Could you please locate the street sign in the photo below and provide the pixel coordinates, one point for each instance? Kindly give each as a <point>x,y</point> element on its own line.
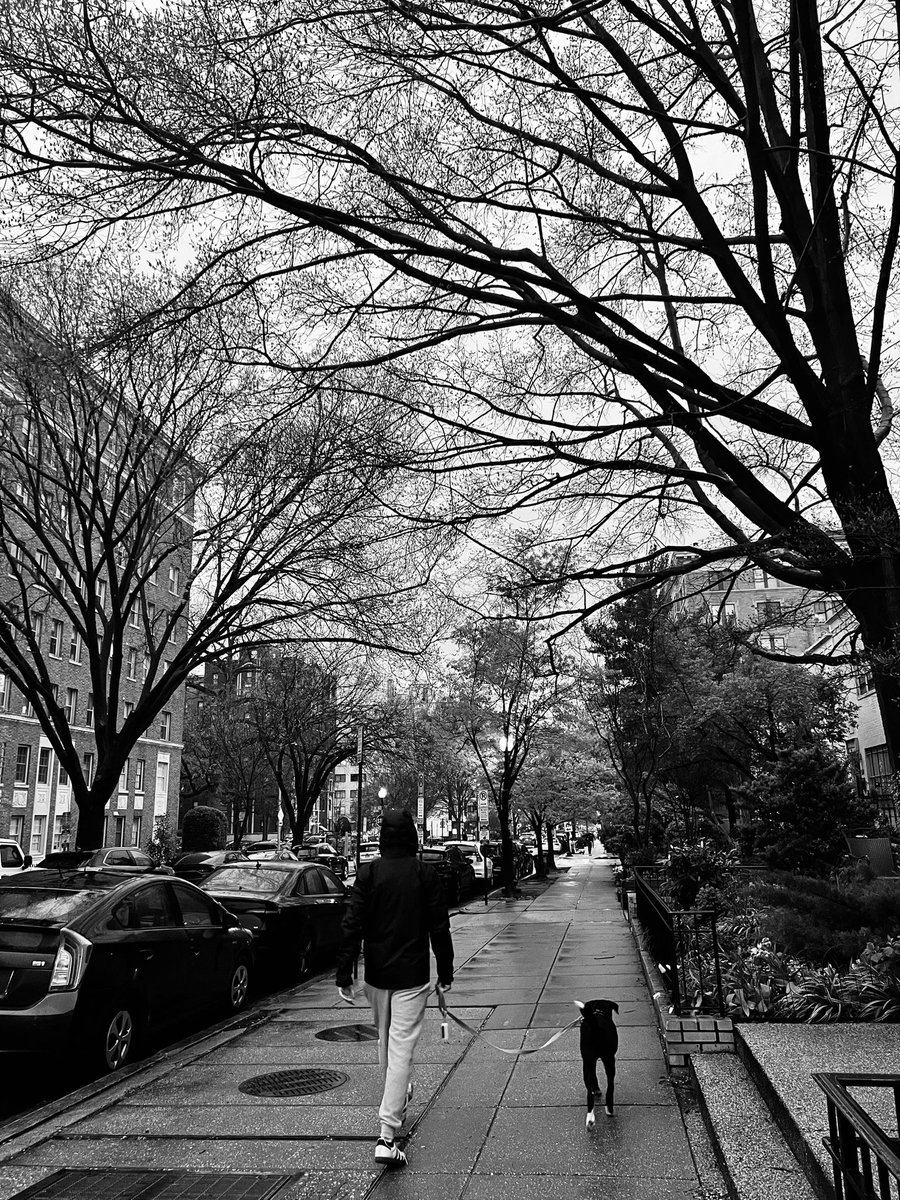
<point>420,809</point>
<point>483,807</point>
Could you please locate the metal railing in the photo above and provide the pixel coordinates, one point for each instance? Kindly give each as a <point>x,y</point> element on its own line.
<point>864,1158</point>
<point>680,940</point>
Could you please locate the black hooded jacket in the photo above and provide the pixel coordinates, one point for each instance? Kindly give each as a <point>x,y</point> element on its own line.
<point>395,909</point>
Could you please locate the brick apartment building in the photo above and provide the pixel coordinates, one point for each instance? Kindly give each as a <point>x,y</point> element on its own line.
<point>36,800</point>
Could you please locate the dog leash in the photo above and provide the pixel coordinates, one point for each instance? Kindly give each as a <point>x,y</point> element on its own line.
<point>445,1012</point>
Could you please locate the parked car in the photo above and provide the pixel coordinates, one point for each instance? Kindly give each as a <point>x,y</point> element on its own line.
<point>368,851</point>
<point>293,909</point>
<point>494,851</point>
<point>12,859</point>
<point>472,851</point>
<point>119,860</point>
<point>454,869</point>
<point>268,850</point>
<point>323,852</point>
<point>92,961</point>
<point>197,865</point>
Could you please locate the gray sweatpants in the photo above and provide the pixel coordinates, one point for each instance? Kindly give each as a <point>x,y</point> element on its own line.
<point>398,1015</point>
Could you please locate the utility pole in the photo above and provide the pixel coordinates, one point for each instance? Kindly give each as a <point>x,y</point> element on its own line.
<point>359,790</point>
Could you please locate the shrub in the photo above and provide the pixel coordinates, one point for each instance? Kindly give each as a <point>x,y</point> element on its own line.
<point>698,868</point>
<point>203,828</point>
<point>162,846</point>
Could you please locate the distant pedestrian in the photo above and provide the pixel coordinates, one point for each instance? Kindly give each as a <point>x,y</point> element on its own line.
<point>396,906</point>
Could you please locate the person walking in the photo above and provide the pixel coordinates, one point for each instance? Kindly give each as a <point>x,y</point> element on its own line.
<point>396,907</point>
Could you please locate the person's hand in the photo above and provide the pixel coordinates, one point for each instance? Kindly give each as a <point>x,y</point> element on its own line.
<point>444,987</point>
<point>346,993</point>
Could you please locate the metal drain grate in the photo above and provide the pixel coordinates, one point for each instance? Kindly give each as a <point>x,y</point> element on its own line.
<point>302,1082</point>
<point>153,1185</point>
<point>349,1033</point>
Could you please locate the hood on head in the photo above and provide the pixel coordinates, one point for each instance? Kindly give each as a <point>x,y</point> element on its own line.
<point>398,831</point>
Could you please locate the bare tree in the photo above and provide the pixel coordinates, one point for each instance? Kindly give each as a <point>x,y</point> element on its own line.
<point>305,711</point>
<point>224,762</point>
<point>157,505</point>
<point>673,228</point>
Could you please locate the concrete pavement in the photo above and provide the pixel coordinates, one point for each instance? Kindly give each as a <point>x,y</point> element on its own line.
<point>483,1124</point>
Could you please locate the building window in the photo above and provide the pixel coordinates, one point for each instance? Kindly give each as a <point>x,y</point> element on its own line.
<point>173,580</point>
<point>165,726</point>
<point>4,692</point>
<point>119,830</point>
<point>17,829</point>
<point>70,708</point>
<point>136,823</point>
<point>75,646</point>
<point>878,767</point>
<point>62,777</point>
<point>865,681</point>
<point>23,763</point>
<point>43,767</point>
<point>38,836</point>
<point>127,709</point>
<point>57,833</point>
<point>820,610</point>
<point>162,777</point>
<point>139,768</point>
<point>145,668</point>
<point>56,639</point>
<point>123,778</point>
<point>134,618</point>
<point>131,663</point>
<point>37,627</point>
<point>769,610</point>
<point>772,642</point>
<point>89,714</point>
<point>87,767</point>
<point>42,558</point>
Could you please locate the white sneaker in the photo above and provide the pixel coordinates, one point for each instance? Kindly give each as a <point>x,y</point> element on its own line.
<point>388,1154</point>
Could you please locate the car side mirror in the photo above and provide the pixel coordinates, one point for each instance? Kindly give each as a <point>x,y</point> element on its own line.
<point>28,861</point>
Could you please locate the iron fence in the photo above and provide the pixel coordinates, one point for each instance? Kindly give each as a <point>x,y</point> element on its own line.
<point>865,1160</point>
<point>684,944</point>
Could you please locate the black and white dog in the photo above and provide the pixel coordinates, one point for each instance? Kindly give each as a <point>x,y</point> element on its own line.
<point>599,1040</point>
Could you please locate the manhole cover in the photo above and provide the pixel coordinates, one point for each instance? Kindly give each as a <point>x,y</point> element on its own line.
<point>302,1082</point>
<point>153,1185</point>
<point>349,1033</point>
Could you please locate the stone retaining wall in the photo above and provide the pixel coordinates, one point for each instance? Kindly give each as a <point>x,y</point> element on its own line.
<point>685,1035</point>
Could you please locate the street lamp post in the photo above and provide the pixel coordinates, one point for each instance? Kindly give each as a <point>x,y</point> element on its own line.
<point>359,791</point>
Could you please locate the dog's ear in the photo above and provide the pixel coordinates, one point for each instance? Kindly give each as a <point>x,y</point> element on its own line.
<point>578,1004</point>
<point>612,1004</point>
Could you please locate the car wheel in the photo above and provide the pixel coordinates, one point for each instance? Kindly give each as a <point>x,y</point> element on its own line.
<point>238,987</point>
<point>306,956</point>
<point>115,1037</point>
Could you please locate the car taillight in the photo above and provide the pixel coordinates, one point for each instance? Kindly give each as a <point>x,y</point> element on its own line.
<point>71,959</point>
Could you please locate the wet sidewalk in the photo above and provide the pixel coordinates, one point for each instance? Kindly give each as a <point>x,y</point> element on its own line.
<point>483,1125</point>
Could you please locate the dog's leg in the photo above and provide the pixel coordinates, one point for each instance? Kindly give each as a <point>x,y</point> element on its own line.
<point>592,1086</point>
<point>609,1066</point>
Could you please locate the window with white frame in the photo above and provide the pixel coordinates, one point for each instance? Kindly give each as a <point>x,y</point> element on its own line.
<point>140,767</point>
<point>127,709</point>
<point>4,692</point>
<point>131,661</point>
<point>75,647</point>
<point>165,726</point>
<point>38,836</point>
<point>45,757</point>
<point>173,580</point>
<point>56,639</point>
<point>89,713</point>
<point>70,708</point>
<point>23,764</point>
<point>87,767</point>
<point>17,829</point>
<point>136,823</point>
<point>123,777</point>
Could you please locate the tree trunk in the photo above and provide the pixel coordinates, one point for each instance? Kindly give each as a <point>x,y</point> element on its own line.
<point>91,824</point>
<point>551,861</point>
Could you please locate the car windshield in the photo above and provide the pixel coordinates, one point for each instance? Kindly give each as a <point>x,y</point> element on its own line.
<point>237,879</point>
<point>468,851</point>
<point>44,904</point>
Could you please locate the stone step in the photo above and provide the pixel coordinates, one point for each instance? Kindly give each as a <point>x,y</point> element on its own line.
<point>754,1157</point>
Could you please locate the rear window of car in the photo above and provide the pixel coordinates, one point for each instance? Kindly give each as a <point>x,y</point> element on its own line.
<point>468,851</point>
<point>45,905</point>
<point>235,879</point>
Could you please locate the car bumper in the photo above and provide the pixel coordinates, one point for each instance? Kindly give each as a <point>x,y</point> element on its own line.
<point>45,1026</point>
